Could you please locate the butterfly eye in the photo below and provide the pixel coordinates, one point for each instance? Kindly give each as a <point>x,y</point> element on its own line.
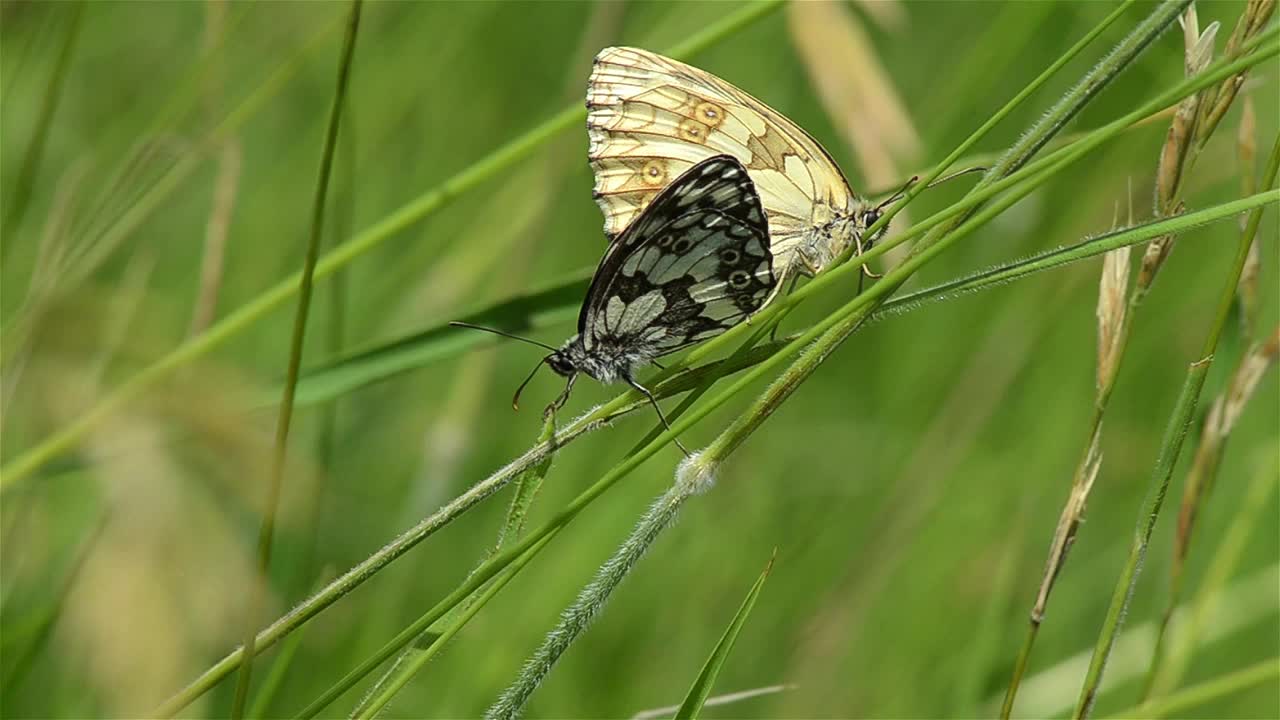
<point>729,256</point>
<point>739,279</point>
<point>681,246</point>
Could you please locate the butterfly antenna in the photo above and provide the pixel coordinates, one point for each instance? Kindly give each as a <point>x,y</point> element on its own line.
<point>504,334</point>
<point>515,399</point>
<point>654,402</point>
<point>956,174</point>
<point>902,191</point>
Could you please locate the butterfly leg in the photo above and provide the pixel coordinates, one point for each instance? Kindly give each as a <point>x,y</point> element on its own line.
<point>810,266</point>
<point>563,398</point>
<point>653,401</point>
<point>773,332</point>
<point>868,272</point>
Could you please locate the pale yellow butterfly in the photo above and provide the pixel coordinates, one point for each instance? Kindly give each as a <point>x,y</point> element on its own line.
<point>650,118</point>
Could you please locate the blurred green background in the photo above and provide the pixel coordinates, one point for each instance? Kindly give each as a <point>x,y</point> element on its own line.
<point>910,488</point>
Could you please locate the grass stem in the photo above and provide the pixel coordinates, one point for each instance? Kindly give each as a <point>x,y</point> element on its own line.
<point>693,478</point>
<point>1170,448</point>
<point>30,168</point>
<point>1264,47</point>
<point>1229,684</point>
<point>257,585</point>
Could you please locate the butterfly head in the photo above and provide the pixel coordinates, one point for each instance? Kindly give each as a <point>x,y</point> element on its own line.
<point>562,362</point>
<point>866,218</point>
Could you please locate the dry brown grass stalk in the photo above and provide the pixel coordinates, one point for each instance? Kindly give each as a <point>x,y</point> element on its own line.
<point>215,235</point>
<point>1177,154</point>
<point>855,89</point>
<point>225,184</point>
<point>1218,100</point>
<point>1068,523</point>
<point>1112,312</point>
<point>1248,289</point>
<point>1187,134</point>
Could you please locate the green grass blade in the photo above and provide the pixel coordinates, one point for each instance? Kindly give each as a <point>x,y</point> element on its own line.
<point>409,214</point>
<point>397,547</point>
<point>266,534</point>
<point>552,304</point>
<point>26,180</point>
<point>1170,448</point>
<point>275,675</point>
<point>407,540</point>
<point>559,302</point>
<point>459,597</point>
<point>415,657</point>
<point>1207,691</point>
<point>520,557</point>
<point>34,636</point>
<point>706,679</point>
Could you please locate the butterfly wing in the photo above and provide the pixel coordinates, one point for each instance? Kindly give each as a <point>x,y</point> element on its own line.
<point>650,118</point>
<point>693,264</point>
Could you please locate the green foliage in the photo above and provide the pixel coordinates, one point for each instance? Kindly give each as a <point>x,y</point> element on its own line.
<point>706,680</point>
<point>895,480</point>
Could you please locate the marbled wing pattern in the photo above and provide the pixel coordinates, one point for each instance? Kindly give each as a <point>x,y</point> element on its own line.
<point>695,263</point>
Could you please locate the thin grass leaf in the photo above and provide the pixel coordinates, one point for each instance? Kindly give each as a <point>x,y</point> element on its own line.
<point>524,556</point>
<point>280,666</point>
<point>553,304</point>
<point>415,657</point>
<point>550,529</point>
<point>1245,604</point>
<point>559,302</point>
<point>694,476</point>
<point>1167,669</point>
<point>1116,316</point>
<point>716,701</point>
<point>498,563</point>
<point>326,441</point>
<point>1170,449</point>
<point>483,489</point>
<point>1207,691</point>
<point>392,224</point>
<point>266,534</point>
<point>35,635</point>
<point>30,168</point>
<point>701,688</point>
<point>1202,477</point>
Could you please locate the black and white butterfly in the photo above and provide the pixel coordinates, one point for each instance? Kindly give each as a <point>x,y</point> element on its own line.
<point>695,263</point>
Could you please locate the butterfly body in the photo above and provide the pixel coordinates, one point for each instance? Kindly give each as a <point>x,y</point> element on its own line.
<point>695,263</point>
<point>607,363</point>
<point>650,118</point>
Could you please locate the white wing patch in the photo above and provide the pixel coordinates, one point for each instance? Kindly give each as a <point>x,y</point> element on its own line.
<point>638,315</point>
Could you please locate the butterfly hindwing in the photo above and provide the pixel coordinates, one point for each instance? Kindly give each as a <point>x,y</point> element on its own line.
<point>695,263</point>
<point>650,118</point>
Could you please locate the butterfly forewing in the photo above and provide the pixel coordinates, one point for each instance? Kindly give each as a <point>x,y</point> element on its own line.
<point>650,118</point>
<point>695,263</point>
